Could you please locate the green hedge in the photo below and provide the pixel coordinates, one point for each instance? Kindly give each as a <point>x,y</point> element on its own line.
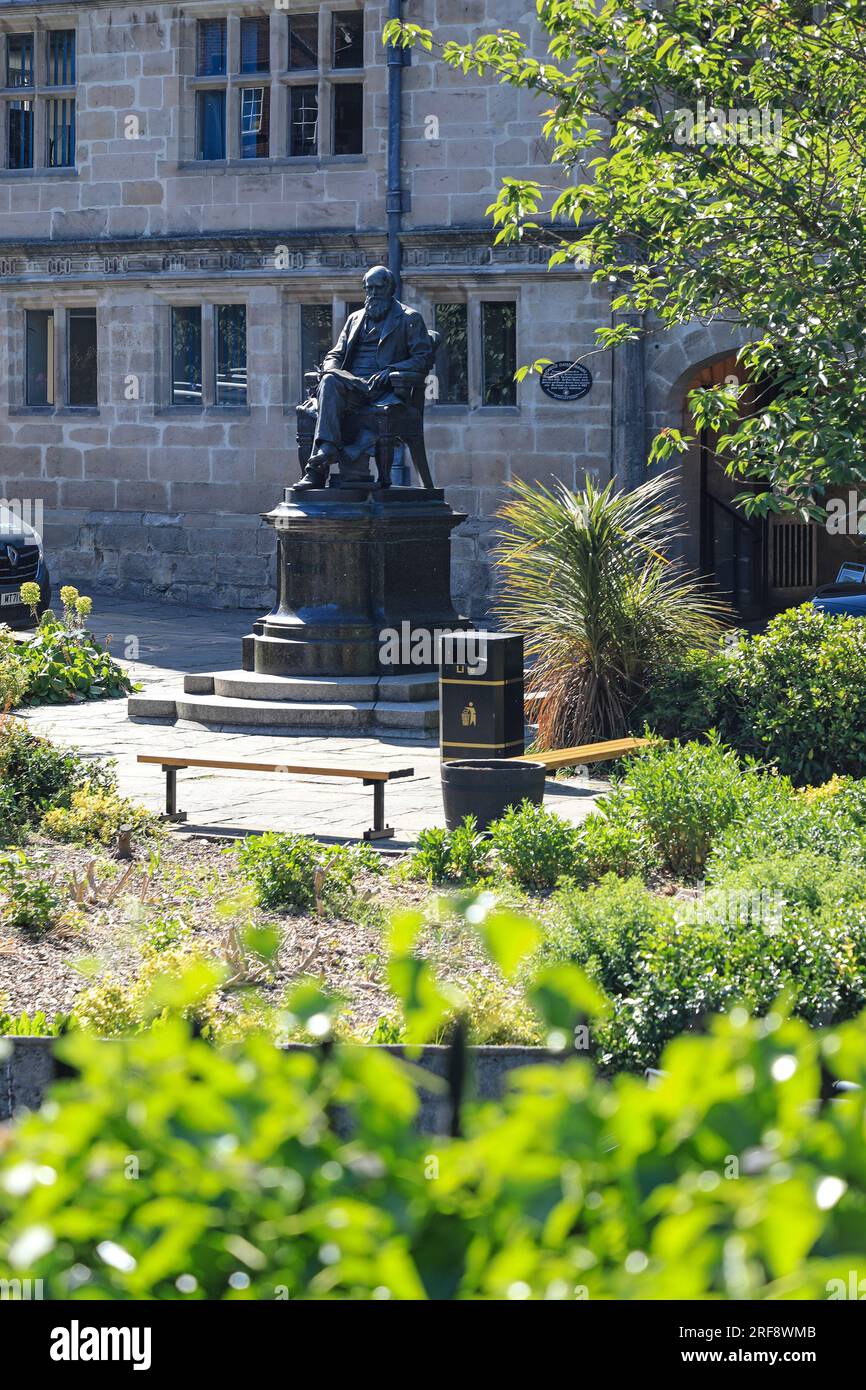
<point>794,695</point>
<point>668,964</point>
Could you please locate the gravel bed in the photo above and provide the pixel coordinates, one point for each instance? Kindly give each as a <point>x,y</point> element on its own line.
<point>186,878</point>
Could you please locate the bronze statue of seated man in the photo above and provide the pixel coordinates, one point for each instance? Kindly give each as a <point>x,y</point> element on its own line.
<point>384,338</point>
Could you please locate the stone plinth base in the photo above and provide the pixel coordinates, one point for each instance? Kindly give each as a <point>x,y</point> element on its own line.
<point>352,565</point>
<point>396,706</point>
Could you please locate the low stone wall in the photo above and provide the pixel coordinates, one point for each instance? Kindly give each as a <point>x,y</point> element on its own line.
<point>28,1067</point>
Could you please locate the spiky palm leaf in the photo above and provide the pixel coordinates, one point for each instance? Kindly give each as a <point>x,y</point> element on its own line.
<point>585,578</point>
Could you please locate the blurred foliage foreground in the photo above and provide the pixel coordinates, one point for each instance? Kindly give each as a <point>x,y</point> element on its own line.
<point>169,1168</point>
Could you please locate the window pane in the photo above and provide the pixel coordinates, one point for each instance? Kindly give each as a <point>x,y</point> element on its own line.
<point>39,365</point>
<point>499,353</point>
<point>186,357</point>
<point>255,122</point>
<point>61,58</point>
<point>211,47</point>
<point>231,354</point>
<point>304,122</point>
<point>19,60</point>
<point>82,357</point>
<point>61,133</point>
<point>348,113</point>
<point>20,134</point>
<point>349,39</point>
<point>255,45</point>
<point>452,359</point>
<point>304,41</point>
<point>211,125</point>
<point>315,335</point>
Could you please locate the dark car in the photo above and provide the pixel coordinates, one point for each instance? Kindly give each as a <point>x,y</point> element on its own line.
<point>22,561</point>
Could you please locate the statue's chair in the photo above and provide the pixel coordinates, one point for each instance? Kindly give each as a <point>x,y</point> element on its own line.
<point>397,422</point>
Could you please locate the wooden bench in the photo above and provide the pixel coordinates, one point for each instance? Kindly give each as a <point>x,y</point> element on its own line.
<point>586,753</point>
<point>375,778</point>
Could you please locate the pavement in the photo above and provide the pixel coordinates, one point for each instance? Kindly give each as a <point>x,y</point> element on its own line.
<point>160,643</point>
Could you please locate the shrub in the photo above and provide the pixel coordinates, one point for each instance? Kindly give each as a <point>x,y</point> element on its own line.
<point>799,691</point>
<point>602,928</point>
<point>64,661</point>
<point>36,1025</point>
<point>29,901</point>
<point>703,967</point>
<point>38,775</point>
<point>500,1016</point>
<point>685,795</point>
<point>106,1009</point>
<point>668,964</point>
<point>603,846</point>
<point>95,816</point>
<point>793,695</point>
<point>301,1173</point>
<point>496,1014</point>
<point>535,846</point>
<point>177,981</point>
<point>469,851</point>
<point>13,673</point>
<point>293,871</point>
<point>431,857</point>
<point>685,699</point>
<point>441,854</point>
<point>165,931</point>
<point>828,820</point>
<point>10,825</point>
<point>281,868</point>
<point>803,878</point>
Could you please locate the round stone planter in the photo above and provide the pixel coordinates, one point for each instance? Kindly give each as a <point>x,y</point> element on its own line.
<point>485,787</point>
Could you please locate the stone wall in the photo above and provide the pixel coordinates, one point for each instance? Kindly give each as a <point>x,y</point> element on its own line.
<point>149,498</point>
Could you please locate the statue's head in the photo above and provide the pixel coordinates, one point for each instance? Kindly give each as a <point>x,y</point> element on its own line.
<point>378,291</point>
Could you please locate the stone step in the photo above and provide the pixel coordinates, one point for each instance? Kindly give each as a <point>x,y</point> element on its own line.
<point>418,717</point>
<point>249,685</point>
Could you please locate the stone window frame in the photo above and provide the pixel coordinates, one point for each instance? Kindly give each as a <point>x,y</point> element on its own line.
<point>163,365</point>
<point>18,356</point>
<point>280,79</point>
<point>326,78</point>
<point>423,298</point>
<point>473,296</point>
<point>339,299</point>
<point>41,93</point>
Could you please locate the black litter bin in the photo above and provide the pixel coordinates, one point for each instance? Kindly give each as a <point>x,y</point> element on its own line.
<point>481,701</point>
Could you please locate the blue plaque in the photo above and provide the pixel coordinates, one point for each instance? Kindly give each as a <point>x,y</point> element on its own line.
<point>566,381</point>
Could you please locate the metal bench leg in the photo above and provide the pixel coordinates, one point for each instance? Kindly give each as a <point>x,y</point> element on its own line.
<point>379,831</point>
<point>171,811</point>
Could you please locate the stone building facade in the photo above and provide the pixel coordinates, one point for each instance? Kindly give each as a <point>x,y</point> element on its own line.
<point>190,194</point>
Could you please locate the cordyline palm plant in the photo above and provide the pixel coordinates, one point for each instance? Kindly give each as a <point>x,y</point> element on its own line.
<point>585,578</point>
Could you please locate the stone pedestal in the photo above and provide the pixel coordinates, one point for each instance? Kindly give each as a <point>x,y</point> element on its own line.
<point>353,563</point>
<point>352,566</point>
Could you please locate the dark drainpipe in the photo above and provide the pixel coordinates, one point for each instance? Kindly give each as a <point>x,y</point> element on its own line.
<point>394,194</point>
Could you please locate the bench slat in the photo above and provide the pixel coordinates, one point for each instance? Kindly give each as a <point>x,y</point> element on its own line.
<point>586,753</point>
<point>365,774</point>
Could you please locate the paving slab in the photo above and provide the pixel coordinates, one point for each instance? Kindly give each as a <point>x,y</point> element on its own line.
<point>159,644</point>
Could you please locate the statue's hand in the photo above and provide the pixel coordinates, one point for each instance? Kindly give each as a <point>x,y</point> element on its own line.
<point>378,380</point>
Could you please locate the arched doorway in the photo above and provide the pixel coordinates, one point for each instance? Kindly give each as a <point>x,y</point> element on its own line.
<point>733,547</point>
<point>759,564</point>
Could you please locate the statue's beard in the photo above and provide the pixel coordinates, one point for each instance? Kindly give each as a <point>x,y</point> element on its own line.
<point>376,310</point>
